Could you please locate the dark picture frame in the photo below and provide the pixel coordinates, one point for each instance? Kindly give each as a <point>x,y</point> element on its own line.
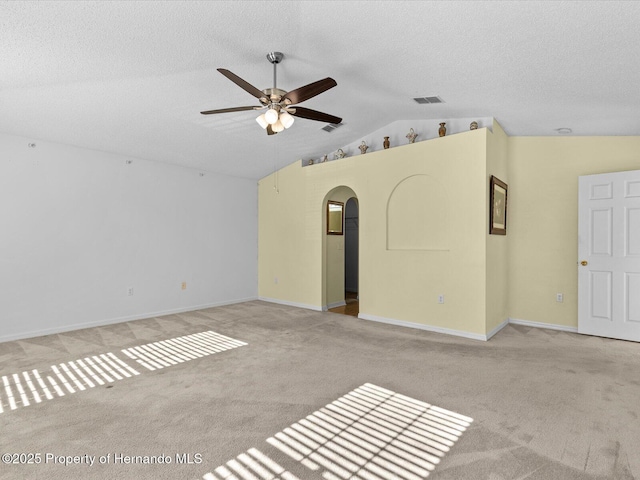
<point>335,218</point>
<point>498,191</point>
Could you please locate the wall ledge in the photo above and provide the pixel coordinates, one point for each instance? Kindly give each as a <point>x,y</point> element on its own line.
<point>110,321</point>
<point>550,326</point>
<point>427,129</point>
<point>292,304</point>
<point>420,326</point>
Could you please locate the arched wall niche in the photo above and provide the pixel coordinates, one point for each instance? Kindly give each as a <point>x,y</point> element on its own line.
<point>419,215</point>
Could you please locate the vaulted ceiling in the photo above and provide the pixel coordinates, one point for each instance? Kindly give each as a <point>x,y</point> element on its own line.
<point>131,77</point>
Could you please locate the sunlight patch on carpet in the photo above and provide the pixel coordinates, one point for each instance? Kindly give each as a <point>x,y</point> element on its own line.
<point>370,433</point>
<point>30,387</point>
<point>166,353</point>
<point>247,466</point>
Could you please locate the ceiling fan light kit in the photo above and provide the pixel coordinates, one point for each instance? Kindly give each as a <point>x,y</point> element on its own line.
<point>280,112</point>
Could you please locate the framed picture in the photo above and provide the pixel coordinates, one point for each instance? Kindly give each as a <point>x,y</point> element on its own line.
<point>497,207</point>
<point>335,218</point>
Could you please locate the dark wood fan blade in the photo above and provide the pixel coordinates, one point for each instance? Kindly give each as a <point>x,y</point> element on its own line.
<point>305,93</point>
<point>227,110</point>
<point>242,83</point>
<point>270,130</point>
<point>315,115</point>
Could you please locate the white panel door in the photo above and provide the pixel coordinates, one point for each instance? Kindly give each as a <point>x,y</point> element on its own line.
<point>609,255</point>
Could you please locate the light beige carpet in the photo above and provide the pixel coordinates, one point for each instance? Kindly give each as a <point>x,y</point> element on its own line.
<point>528,404</point>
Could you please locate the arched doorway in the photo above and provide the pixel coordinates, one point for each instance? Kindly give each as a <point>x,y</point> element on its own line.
<point>341,255</point>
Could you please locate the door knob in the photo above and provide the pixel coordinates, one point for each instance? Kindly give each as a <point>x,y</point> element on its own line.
<point>584,263</point>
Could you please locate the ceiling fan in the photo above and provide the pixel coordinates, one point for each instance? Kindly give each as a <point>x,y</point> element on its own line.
<point>280,105</point>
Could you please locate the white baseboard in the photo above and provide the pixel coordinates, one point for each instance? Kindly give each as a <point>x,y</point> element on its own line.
<point>110,321</point>
<point>364,316</point>
<point>291,304</point>
<point>497,329</point>
<point>550,326</point>
<point>460,333</point>
<point>420,326</point>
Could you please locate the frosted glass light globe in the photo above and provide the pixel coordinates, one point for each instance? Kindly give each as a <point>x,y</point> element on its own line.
<point>271,116</point>
<point>277,127</point>
<point>262,121</point>
<point>286,119</point>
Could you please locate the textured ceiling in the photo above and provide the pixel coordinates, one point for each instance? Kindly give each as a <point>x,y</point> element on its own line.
<point>131,77</point>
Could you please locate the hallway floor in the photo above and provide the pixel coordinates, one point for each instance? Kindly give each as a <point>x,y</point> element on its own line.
<point>352,306</point>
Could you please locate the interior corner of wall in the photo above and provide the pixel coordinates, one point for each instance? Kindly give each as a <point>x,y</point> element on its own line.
<point>497,128</point>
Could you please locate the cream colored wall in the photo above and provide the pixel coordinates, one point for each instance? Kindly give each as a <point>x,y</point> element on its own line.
<point>289,243</point>
<point>485,278</point>
<point>543,218</point>
<point>394,284</point>
<point>497,272</point>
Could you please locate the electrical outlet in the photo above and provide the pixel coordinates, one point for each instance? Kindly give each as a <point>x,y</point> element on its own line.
<point>559,297</point>
<point>184,285</point>
<point>130,291</point>
<point>440,298</point>
<point>275,280</point>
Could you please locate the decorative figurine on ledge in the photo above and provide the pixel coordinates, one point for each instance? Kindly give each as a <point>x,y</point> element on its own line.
<point>325,158</point>
<point>473,125</point>
<point>442,131</point>
<point>412,136</point>
<point>363,147</point>
<point>339,154</point>
<point>311,161</point>
<point>386,143</point>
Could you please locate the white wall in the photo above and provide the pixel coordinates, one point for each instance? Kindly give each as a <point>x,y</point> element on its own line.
<point>79,227</point>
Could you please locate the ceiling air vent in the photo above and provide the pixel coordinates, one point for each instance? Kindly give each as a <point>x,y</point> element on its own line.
<point>425,100</point>
<point>331,127</point>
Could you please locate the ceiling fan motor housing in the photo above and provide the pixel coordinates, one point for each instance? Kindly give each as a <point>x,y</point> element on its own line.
<point>274,95</point>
